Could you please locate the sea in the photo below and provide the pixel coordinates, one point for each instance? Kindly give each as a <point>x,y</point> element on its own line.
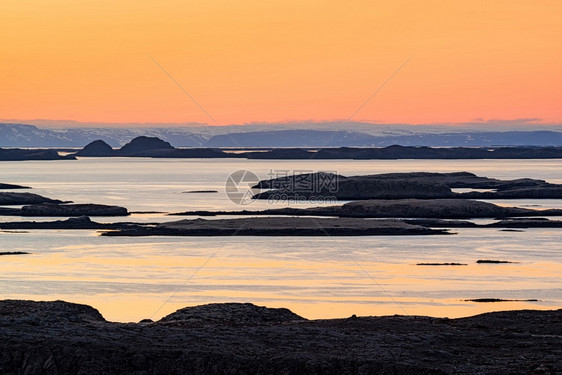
<point>133,278</point>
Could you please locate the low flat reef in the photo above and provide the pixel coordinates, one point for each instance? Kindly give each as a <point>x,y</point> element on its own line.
<point>19,154</point>
<point>12,186</point>
<point>200,191</point>
<point>17,199</point>
<point>80,222</point>
<point>65,210</point>
<point>420,185</point>
<point>242,338</point>
<point>409,152</point>
<point>278,226</point>
<point>399,208</point>
<point>38,205</point>
<point>493,300</point>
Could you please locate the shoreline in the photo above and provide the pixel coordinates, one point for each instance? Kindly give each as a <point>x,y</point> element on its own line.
<point>242,338</point>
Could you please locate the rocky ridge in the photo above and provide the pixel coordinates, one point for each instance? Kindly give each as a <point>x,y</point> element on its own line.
<point>59,337</point>
<point>277,226</point>
<point>397,208</point>
<point>419,185</point>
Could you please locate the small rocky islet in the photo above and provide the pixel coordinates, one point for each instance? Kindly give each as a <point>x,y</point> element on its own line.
<point>413,203</point>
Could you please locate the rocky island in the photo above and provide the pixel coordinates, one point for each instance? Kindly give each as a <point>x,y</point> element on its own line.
<point>420,185</point>
<point>151,147</point>
<point>16,199</point>
<point>241,338</point>
<point>18,154</point>
<point>11,186</point>
<point>397,208</point>
<point>278,226</point>
<point>154,147</point>
<point>37,205</point>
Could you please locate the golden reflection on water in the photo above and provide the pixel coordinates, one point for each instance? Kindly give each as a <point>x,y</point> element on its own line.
<point>130,279</point>
<point>131,308</point>
<point>314,290</point>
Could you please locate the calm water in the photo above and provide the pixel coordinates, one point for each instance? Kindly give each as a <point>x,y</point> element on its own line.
<point>129,279</point>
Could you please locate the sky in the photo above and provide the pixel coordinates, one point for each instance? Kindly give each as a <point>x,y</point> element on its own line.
<point>259,61</point>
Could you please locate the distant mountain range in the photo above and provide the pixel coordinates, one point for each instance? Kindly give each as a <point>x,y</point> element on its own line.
<point>21,135</point>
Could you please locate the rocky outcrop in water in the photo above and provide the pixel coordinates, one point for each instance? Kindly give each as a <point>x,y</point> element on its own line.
<point>88,209</point>
<point>421,185</point>
<point>18,154</point>
<point>145,146</point>
<point>409,152</point>
<point>397,208</point>
<point>60,337</point>
<point>97,148</point>
<point>17,199</point>
<point>278,226</point>
<point>149,147</point>
<point>435,208</point>
<point>79,222</point>
<point>11,186</point>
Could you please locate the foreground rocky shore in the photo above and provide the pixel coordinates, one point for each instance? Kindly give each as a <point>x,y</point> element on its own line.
<point>63,338</point>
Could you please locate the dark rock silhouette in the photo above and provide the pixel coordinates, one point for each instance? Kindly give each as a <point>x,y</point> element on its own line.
<point>78,222</point>
<point>62,338</point>
<point>409,152</point>
<point>16,199</point>
<point>421,185</point>
<point>207,153</point>
<point>73,210</point>
<point>145,146</point>
<point>12,186</point>
<point>97,148</point>
<point>278,226</point>
<point>230,313</point>
<point>435,209</point>
<point>16,154</point>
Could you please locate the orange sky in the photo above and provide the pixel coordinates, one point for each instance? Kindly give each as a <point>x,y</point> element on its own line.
<point>273,61</point>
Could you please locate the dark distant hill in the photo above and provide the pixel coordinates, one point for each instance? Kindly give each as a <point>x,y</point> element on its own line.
<point>97,148</point>
<point>293,138</point>
<point>25,154</point>
<point>318,138</point>
<point>476,139</point>
<point>140,145</point>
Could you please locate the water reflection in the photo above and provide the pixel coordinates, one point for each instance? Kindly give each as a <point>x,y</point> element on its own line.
<point>129,279</point>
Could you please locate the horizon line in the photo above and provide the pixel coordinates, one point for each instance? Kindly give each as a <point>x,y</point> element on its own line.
<point>475,122</point>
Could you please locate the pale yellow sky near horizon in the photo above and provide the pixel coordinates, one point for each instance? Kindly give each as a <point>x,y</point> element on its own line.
<point>264,61</point>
